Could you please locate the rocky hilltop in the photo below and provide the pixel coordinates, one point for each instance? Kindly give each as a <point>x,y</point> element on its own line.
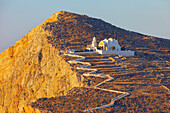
<point>34,68</point>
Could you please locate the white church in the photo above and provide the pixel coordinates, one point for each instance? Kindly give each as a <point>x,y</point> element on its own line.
<point>109,46</point>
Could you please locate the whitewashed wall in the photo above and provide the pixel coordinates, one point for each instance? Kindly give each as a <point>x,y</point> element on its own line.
<point>124,53</point>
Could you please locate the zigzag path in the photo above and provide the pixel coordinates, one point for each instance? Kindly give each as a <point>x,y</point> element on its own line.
<point>93,72</point>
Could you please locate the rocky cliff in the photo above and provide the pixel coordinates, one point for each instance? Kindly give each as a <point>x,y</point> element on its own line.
<point>29,109</point>
<point>33,69</point>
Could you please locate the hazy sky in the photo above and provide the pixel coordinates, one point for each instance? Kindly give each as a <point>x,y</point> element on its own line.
<point>18,17</point>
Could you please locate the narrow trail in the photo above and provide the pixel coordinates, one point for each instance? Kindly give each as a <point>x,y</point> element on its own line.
<point>93,72</point>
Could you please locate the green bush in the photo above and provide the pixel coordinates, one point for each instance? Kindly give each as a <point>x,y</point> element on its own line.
<point>97,105</point>
<point>130,111</point>
<point>156,111</point>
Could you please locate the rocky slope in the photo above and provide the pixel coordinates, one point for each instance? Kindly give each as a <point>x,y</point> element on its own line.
<point>33,69</point>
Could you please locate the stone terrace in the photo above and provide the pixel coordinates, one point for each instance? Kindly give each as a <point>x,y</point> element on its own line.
<point>144,76</point>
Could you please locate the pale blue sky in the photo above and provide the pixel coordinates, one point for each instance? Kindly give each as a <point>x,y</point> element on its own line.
<point>18,17</point>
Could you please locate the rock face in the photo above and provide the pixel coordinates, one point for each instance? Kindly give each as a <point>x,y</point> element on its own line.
<point>33,69</point>
<point>29,109</point>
